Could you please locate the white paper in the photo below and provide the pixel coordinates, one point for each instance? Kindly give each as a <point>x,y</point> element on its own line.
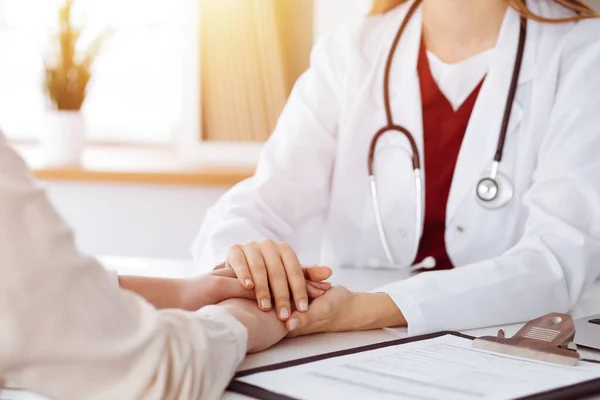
<point>442,368</point>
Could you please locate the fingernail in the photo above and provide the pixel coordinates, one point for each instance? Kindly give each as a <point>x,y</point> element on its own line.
<point>292,324</point>
<point>249,284</point>
<point>265,303</point>
<point>284,313</point>
<point>303,305</point>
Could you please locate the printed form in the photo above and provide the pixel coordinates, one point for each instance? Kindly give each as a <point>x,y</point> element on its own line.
<point>446,367</point>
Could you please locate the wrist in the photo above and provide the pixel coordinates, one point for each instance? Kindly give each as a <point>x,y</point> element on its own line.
<point>373,311</point>
<point>242,316</point>
<point>187,294</point>
<point>245,318</point>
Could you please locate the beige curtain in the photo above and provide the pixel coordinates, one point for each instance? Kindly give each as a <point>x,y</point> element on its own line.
<point>252,51</point>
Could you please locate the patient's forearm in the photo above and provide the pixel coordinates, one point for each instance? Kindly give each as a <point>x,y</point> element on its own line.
<point>162,293</point>
<point>374,311</point>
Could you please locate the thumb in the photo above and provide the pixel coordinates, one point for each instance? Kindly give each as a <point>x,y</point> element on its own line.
<point>220,266</point>
<point>298,321</point>
<point>323,286</point>
<point>317,273</point>
<point>225,272</point>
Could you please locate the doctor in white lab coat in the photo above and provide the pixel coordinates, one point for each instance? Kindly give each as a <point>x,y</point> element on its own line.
<point>535,255</point>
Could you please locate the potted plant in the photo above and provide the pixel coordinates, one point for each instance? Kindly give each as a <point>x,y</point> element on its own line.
<point>68,69</point>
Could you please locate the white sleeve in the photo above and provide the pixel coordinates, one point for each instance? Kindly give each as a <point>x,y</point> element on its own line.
<point>559,254</point>
<point>291,184</point>
<point>68,332</point>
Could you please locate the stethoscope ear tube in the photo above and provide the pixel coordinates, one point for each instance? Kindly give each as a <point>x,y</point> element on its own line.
<point>379,220</point>
<point>416,164</point>
<point>495,190</point>
<point>416,159</point>
<point>418,216</point>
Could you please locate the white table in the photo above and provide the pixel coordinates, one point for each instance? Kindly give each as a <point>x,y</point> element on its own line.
<point>354,279</point>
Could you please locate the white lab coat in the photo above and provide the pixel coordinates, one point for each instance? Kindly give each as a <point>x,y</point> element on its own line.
<point>531,257</point>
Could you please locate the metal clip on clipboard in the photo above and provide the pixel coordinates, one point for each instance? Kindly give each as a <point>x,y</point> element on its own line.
<point>548,339</point>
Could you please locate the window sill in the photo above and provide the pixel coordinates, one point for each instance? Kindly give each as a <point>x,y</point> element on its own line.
<point>137,165</point>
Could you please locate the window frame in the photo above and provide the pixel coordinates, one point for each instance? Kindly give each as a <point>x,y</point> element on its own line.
<point>189,139</point>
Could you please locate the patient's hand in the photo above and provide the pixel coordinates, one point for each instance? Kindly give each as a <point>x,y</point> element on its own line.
<point>341,310</point>
<point>330,313</point>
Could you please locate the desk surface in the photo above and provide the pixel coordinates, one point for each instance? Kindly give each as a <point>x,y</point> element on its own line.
<point>354,279</point>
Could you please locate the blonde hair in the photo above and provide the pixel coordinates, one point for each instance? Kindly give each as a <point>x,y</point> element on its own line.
<point>580,7</point>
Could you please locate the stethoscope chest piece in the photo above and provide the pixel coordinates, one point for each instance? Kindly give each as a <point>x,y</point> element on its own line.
<point>494,192</point>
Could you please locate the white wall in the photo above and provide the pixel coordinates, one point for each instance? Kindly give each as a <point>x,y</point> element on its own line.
<point>132,220</point>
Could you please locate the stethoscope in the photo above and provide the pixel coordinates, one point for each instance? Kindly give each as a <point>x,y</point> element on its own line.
<point>493,191</point>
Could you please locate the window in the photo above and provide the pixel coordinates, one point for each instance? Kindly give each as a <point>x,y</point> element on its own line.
<point>139,81</point>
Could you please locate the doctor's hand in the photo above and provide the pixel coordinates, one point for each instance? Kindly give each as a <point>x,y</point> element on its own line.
<point>272,269</point>
<point>264,329</point>
<point>340,310</point>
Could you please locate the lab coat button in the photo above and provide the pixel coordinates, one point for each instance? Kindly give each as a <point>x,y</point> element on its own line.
<point>403,233</point>
<point>460,229</point>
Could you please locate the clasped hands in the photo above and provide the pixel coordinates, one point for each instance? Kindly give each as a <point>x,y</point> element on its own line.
<point>265,288</point>
<point>288,293</point>
<point>292,300</point>
<point>273,272</point>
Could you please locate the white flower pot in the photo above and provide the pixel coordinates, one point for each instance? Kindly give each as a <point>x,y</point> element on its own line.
<point>63,139</point>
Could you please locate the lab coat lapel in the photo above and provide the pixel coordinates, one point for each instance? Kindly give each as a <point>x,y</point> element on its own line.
<point>481,138</point>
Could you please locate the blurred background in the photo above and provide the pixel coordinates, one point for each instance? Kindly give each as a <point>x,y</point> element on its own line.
<point>138,114</point>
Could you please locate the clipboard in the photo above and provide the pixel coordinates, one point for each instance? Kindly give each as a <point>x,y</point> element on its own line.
<point>580,390</point>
